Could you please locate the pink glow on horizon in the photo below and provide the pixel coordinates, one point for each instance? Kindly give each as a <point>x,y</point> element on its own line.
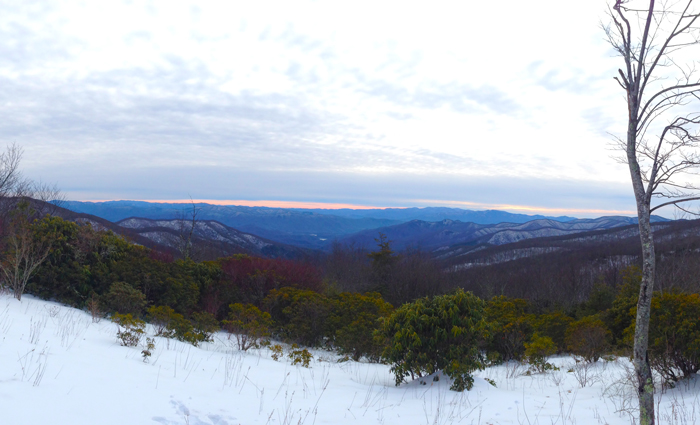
<point>526,209</point>
<point>270,204</point>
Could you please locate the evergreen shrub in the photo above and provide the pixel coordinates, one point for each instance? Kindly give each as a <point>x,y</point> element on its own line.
<point>512,327</point>
<point>124,298</point>
<point>249,325</point>
<point>553,325</point>
<point>160,317</point>
<point>432,334</point>
<point>130,330</point>
<point>538,351</point>
<point>674,335</point>
<point>588,338</point>
<point>352,321</point>
<point>204,325</point>
<point>299,315</point>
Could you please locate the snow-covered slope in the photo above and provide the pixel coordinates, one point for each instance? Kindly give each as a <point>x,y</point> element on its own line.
<point>208,233</point>
<point>443,234</point>
<point>58,367</point>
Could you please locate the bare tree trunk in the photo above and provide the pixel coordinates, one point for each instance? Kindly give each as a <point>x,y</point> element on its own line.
<point>25,253</point>
<point>659,87</point>
<point>645,382</point>
<point>186,231</point>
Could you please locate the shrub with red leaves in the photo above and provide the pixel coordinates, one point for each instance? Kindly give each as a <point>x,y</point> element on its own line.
<point>253,278</point>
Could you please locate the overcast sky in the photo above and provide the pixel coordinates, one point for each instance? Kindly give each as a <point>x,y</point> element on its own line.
<point>490,104</point>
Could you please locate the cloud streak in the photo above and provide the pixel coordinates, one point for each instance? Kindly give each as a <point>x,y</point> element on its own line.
<point>229,101</point>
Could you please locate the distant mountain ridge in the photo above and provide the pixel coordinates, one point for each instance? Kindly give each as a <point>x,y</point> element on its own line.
<point>209,236</point>
<point>210,239</point>
<point>300,228</point>
<point>437,214</point>
<point>446,233</point>
<point>309,228</point>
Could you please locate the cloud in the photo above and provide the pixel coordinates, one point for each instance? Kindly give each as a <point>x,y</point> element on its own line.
<point>573,80</point>
<point>229,101</point>
<point>378,189</point>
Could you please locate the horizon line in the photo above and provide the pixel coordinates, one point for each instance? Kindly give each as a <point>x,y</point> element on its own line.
<point>335,206</point>
<point>263,203</point>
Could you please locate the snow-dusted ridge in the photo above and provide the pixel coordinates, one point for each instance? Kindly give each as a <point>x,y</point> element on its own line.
<point>229,240</point>
<point>58,367</point>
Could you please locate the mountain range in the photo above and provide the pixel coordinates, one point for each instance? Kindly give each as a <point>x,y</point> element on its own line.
<point>443,234</point>
<point>308,228</point>
<point>295,233</point>
<point>210,239</point>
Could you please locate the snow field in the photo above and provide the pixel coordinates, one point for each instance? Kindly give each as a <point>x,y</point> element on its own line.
<point>58,367</point>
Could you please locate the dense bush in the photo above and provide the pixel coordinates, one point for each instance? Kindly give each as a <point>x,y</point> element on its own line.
<point>538,351</point>
<point>204,325</point>
<point>299,315</point>
<point>620,317</point>
<point>124,298</point>
<point>511,327</point>
<point>674,335</point>
<point>248,325</point>
<point>352,321</point>
<point>130,330</point>
<point>84,263</point>
<point>553,325</point>
<point>588,338</point>
<point>432,334</point>
<point>161,317</point>
<point>599,300</point>
<point>250,279</point>
<point>182,330</point>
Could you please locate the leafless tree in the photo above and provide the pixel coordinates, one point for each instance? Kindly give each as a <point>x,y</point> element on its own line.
<point>25,251</point>
<point>10,176</point>
<point>51,197</point>
<point>658,45</point>
<point>186,226</point>
<point>14,187</point>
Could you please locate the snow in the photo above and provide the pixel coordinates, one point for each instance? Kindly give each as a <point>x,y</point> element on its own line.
<point>58,367</point>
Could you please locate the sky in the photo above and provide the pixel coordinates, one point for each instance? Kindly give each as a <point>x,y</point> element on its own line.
<point>508,105</point>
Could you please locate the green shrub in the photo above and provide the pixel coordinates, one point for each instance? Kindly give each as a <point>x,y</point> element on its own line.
<point>130,330</point>
<point>146,352</point>
<point>182,330</point>
<point>538,351</point>
<point>124,298</point>
<point>674,335</point>
<point>249,325</point>
<point>553,325</point>
<point>352,322</point>
<point>160,317</point>
<point>169,324</point>
<point>599,300</point>
<point>277,351</point>
<point>299,315</point>
<point>204,324</point>
<point>588,338</point>
<point>300,356</point>
<point>511,326</point>
<point>621,315</point>
<point>433,334</point>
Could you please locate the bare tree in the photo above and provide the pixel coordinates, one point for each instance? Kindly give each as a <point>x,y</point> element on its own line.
<point>186,226</point>
<point>10,176</point>
<point>51,197</point>
<point>25,251</point>
<point>661,84</point>
<point>14,187</point>
<point>12,184</point>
